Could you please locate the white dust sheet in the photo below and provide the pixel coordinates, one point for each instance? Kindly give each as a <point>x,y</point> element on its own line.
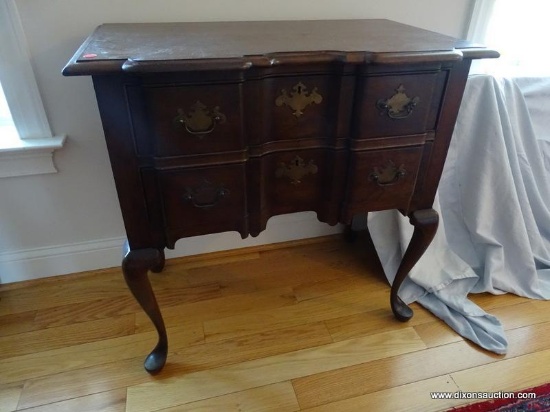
<point>494,205</point>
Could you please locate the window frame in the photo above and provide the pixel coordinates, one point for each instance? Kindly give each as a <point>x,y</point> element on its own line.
<point>479,22</point>
<point>32,153</point>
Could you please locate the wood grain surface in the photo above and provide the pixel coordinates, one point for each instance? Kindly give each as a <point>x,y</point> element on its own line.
<point>305,326</point>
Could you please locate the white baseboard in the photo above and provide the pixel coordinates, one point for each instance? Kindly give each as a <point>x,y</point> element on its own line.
<point>49,261</point>
<point>59,260</point>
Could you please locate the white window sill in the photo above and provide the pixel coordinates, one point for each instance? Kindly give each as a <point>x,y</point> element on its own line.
<point>33,153</point>
<point>24,157</point>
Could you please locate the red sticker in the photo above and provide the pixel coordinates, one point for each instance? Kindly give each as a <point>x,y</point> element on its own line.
<point>90,56</point>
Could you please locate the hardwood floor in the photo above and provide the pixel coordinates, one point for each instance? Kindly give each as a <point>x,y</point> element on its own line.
<point>301,326</point>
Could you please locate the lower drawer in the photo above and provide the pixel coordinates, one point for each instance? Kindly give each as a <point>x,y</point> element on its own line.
<point>382,179</point>
<point>202,200</point>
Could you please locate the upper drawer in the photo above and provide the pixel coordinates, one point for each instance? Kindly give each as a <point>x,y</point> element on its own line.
<point>399,104</point>
<point>298,107</point>
<point>180,120</point>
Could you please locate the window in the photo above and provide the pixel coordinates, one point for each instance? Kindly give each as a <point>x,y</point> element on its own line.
<point>518,30</point>
<point>8,132</point>
<point>30,150</point>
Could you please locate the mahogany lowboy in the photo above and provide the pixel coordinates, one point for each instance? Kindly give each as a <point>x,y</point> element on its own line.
<point>215,127</point>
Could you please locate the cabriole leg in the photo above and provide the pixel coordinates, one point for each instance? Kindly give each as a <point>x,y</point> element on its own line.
<point>157,268</point>
<point>349,234</point>
<point>425,224</point>
<point>135,265</point>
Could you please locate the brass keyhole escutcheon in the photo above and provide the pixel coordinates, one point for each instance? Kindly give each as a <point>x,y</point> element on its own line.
<point>296,169</point>
<point>298,99</point>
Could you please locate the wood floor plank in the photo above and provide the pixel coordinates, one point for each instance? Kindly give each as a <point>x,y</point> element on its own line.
<point>257,271</point>
<point>109,401</point>
<point>437,333</point>
<point>374,321</point>
<point>220,307</point>
<point>278,397</point>
<point>52,338</point>
<point>488,302</point>
<point>382,374</point>
<point>83,382</point>
<point>186,359</point>
<point>66,290</point>
<point>247,375</point>
<point>171,295</point>
<point>63,360</point>
<point>522,314</point>
<point>18,323</point>
<point>121,305</point>
<point>212,259</point>
<point>326,307</point>
<point>316,289</point>
<point>307,262</point>
<point>101,309</point>
<point>509,375</point>
<point>291,279</point>
<point>412,397</point>
<point>244,348</point>
<point>63,315</point>
<point>86,355</point>
<point>255,329</point>
<point>248,253</point>
<point>541,304</point>
<point>9,396</point>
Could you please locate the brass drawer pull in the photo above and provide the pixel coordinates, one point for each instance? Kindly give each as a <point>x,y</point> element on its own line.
<point>399,106</point>
<point>299,98</point>
<point>387,175</point>
<point>205,196</point>
<point>296,169</point>
<point>199,120</point>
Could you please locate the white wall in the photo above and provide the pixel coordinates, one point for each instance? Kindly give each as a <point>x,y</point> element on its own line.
<point>70,221</point>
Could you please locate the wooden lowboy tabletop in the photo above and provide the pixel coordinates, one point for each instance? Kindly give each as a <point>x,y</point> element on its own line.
<point>123,46</point>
